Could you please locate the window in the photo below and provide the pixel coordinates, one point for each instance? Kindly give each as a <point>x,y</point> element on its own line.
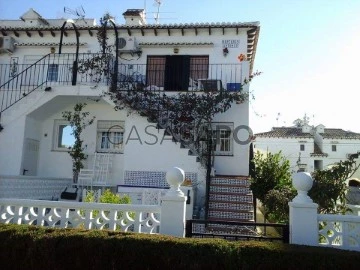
<point>110,135</point>
<point>52,73</point>
<point>176,72</point>
<point>63,138</point>
<point>302,147</point>
<point>333,148</point>
<point>223,139</point>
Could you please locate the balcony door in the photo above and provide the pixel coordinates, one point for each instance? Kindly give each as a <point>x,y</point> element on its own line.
<point>176,72</point>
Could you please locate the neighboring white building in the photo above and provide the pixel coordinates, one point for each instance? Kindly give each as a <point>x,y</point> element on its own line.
<point>37,85</point>
<point>309,148</point>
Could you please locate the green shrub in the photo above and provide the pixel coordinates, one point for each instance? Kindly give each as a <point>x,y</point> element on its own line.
<point>30,247</point>
<point>109,197</point>
<point>271,184</point>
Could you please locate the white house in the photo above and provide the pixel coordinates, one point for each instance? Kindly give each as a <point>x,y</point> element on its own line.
<point>309,148</point>
<point>38,81</point>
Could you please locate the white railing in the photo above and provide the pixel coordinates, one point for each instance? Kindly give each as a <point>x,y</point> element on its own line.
<point>340,231</point>
<point>135,218</point>
<point>307,227</point>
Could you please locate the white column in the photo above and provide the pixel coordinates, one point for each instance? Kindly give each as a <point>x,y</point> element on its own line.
<point>303,213</point>
<point>173,205</point>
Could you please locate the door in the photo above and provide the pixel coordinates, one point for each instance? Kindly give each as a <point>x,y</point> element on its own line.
<point>177,72</point>
<point>30,157</point>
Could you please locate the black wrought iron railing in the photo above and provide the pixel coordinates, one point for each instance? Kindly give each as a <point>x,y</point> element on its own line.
<point>216,77</point>
<point>237,230</point>
<point>17,81</point>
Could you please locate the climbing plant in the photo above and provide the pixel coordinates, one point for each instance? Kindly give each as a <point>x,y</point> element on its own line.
<point>78,121</point>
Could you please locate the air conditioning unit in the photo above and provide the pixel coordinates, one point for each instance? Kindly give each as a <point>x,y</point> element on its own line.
<point>209,85</point>
<point>127,44</point>
<point>7,45</point>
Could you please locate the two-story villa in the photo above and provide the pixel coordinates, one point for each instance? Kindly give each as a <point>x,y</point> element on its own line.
<point>41,77</point>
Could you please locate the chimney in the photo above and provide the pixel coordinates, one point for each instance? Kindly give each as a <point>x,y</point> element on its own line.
<point>134,17</point>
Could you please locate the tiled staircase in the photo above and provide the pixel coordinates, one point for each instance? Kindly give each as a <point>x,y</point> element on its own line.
<point>230,199</point>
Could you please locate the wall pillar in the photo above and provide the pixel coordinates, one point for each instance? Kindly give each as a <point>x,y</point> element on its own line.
<point>173,205</point>
<point>303,213</point>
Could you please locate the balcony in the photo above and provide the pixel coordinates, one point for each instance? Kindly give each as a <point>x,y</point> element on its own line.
<point>19,80</point>
<point>55,69</point>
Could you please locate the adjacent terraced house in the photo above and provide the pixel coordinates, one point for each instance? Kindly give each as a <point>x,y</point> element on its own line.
<point>43,73</point>
<point>309,148</point>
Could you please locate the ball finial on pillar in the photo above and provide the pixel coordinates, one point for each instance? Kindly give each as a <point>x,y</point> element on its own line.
<point>302,182</point>
<point>175,177</point>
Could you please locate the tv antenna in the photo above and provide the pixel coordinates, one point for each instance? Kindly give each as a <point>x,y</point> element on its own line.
<point>79,12</point>
<point>156,3</point>
<point>157,14</point>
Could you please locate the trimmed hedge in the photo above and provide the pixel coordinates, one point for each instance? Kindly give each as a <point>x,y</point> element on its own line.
<point>32,247</point>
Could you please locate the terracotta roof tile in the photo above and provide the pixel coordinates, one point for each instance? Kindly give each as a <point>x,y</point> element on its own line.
<point>285,132</point>
<point>337,133</point>
<point>296,132</point>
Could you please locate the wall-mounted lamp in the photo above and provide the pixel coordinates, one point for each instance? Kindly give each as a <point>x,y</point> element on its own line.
<point>48,89</point>
<point>176,50</point>
<point>225,51</point>
<point>52,49</point>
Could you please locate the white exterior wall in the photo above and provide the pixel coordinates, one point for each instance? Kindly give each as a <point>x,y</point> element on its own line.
<point>53,162</point>
<point>290,148</point>
<point>11,146</point>
<point>33,117</point>
<point>343,148</point>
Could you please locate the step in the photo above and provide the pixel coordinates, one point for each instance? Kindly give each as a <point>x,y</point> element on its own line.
<point>230,197</point>
<point>225,209</point>
<point>231,219</point>
<point>231,215</point>
<point>243,181</point>
<point>230,189</point>
<point>231,206</point>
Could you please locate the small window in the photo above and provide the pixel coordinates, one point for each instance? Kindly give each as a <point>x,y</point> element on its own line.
<point>63,137</point>
<point>110,136</point>
<point>52,74</point>
<point>223,139</point>
<point>302,147</point>
<point>333,148</point>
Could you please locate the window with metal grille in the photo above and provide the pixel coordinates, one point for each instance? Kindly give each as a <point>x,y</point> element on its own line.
<point>222,138</point>
<point>165,71</point>
<point>110,136</point>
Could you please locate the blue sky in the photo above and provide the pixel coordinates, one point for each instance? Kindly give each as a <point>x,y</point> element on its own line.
<point>307,51</point>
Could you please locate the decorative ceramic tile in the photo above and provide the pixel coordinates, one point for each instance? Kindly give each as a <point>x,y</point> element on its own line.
<point>152,178</point>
